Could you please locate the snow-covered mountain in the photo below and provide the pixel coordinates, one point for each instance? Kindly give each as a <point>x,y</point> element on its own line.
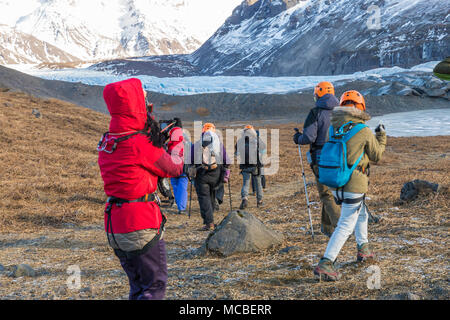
<point>107,29</point>
<point>20,48</point>
<point>301,37</point>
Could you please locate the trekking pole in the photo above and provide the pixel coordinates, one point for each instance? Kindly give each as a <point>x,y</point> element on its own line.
<point>190,199</point>
<point>229,192</point>
<point>306,189</point>
<point>372,218</point>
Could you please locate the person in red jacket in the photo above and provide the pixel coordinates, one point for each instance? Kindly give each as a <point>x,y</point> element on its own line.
<point>131,159</point>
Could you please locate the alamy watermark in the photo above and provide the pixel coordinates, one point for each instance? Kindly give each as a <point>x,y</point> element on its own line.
<point>374,21</point>
<point>73,282</point>
<point>232,141</point>
<point>374,280</point>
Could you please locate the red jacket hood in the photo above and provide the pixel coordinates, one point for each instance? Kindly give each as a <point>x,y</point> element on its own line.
<point>126,105</point>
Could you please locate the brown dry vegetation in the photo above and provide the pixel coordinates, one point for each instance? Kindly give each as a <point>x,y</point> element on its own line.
<point>51,203</point>
<point>202,112</point>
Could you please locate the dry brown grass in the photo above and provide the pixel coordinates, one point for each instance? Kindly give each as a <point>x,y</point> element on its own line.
<point>51,203</point>
<point>202,112</point>
<point>49,173</point>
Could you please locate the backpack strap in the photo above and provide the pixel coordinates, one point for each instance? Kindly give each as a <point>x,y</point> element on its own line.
<point>350,134</point>
<point>354,130</point>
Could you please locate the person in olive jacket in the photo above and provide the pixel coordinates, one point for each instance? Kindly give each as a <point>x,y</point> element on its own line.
<point>354,214</point>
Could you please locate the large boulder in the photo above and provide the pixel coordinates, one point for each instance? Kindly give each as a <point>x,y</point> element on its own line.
<point>23,270</point>
<point>411,190</point>
<point>241,232</point>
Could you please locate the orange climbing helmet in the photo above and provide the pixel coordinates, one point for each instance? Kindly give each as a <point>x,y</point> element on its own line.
<point>323,88</point>
<point>353,98</point>
<point>209,127</point>
<point>249,126</point>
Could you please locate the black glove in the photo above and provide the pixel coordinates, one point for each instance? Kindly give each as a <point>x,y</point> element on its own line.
<point>178,123</point>
<point>380,128</point>
<point>297,135</point>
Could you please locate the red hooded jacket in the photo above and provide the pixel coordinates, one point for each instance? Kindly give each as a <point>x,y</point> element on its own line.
<point>131,171</point>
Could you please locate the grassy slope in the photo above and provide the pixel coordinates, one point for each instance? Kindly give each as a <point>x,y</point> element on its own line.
<point>51,202</point>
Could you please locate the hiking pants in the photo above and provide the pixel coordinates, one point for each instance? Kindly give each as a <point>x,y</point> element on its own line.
<point>263,183</point>
<point>206,183</point>
<point>354,218</point>
<point>330,210</point>
<point>247,178</point>
<point>180,186</point>
<point>220,193</point>
<point>147,273</point>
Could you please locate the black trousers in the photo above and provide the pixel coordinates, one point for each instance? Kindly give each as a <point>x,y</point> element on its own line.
<point>206,184</point>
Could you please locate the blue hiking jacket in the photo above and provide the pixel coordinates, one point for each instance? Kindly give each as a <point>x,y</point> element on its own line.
<point>317,124</point>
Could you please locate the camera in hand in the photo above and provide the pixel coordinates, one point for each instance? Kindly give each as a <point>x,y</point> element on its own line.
<point>167,125</point>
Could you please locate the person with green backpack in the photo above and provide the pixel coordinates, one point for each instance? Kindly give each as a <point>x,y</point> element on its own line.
<point>344,167</point>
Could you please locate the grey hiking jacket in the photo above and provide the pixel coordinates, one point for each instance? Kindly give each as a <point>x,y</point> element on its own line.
<point>317,124</point>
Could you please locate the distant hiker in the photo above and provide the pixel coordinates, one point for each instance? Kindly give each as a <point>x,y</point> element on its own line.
<point>263,178</point>
<point>180,184</point>
<point>348,122</point>
<point>211,169</point>
<point>315,133</point>
<point>250,150</point>
<point>131,159</point>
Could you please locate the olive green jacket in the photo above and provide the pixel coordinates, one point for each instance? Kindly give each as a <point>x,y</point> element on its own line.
<point>373,146</point>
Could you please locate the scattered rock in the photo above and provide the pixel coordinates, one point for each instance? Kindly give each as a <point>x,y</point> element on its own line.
<point>7,104</point>
<point>23,270</point>
<point>241,232</point>
<point>435,92</point>
<point>411,190</point>
<point>61,291</point>
<point>402,296</point>
<point>37,113</point>
<point>86,291</point>
<point>289,249</point>
<point>439,293</point>
<point>2,268</point>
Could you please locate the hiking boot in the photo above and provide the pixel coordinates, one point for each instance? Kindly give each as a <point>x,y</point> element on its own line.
<point>244,204</point>
<point>364,253</point>
<point>325,271</point>
<point>260,204</point>
<point>208,227</point>
<point>181,212</point>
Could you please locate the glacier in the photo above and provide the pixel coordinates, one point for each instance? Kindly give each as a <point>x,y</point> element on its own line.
<point>211,84</point>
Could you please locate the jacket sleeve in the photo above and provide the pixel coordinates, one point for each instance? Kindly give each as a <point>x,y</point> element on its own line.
<point>162,163</point>
<point>375,145</point>
<point>309,135</point>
